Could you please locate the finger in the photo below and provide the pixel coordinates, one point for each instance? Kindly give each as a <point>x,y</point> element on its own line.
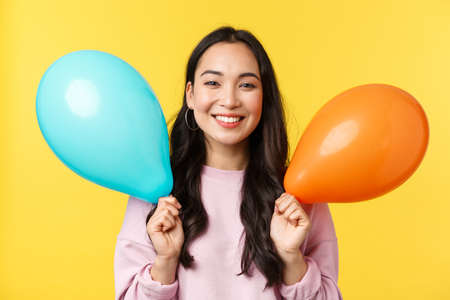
<point>158,218</point>
<point>171,209</point>
<point>165,203</point>
<point>301,217</point>
<point>290,209</point>
<point>157,225</point>
<point>281,199</point>
<point>171,200</point>
<point>294,218</point>
<point>286,203</point>
<point>295,215</point>
<point>168,213</point>
<point>166,223</point>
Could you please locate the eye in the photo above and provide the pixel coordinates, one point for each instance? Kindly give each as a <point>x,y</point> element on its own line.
<point>248,85</point>
<point>211,82</point>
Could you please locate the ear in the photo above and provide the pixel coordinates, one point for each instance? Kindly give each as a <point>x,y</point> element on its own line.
<point>189,92</point>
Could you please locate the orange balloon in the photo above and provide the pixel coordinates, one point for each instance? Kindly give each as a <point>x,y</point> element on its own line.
<point>362,144</point>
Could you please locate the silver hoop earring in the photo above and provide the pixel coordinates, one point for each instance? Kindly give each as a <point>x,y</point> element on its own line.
<point>187,123</point>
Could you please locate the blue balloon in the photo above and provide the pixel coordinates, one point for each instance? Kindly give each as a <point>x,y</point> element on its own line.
<point>103,121</point>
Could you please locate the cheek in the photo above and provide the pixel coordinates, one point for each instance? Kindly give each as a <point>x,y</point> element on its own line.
<point>204,99</point>
<point>254,104</point>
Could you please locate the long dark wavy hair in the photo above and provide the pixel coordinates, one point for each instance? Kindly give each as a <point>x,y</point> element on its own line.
<point>263,177</point>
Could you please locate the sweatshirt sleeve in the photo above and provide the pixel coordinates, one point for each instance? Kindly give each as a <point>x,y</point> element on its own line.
<point>321,256</point>
<point>134,256</point>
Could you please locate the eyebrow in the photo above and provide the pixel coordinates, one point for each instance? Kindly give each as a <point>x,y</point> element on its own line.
<point>221,74</point>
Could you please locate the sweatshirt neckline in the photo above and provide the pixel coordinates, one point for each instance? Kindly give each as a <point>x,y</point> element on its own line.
<point>228,175</point>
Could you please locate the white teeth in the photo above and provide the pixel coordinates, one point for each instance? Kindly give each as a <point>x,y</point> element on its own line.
<point>227,119</point>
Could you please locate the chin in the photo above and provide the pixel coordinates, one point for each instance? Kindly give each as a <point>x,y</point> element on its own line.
<point>232,142</point>
<point>228,140</point>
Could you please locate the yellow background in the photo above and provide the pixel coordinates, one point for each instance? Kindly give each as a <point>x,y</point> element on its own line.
<point>58,230</point>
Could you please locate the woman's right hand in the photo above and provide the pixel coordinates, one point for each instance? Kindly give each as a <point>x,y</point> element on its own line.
<point>165,228</point>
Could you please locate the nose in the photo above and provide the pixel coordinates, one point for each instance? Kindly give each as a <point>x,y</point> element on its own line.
<point>230,98</point>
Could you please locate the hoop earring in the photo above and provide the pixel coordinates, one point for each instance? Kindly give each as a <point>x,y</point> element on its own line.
<point>187,123</point>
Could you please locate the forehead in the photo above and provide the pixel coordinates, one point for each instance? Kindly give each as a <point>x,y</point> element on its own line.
<point>228,57</point>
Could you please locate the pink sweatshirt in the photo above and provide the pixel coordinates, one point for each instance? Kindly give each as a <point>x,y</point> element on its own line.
<point>217,252</point>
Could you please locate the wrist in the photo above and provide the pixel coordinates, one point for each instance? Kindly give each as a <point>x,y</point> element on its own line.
<point>168,262</point>
<point>167,258</point>
<point>295,267</point>
<point>164,270</point>
<point>290,257</point>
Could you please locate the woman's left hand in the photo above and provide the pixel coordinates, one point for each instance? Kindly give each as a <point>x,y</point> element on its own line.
<point>289,225</point>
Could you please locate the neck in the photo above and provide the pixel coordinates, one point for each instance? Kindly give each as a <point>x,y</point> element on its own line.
<point>227,157</point>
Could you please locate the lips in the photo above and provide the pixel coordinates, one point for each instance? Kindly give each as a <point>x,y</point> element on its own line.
<point>229,124</point>
<point>229,116</point>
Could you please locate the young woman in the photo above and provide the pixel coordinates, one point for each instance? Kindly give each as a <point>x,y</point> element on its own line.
<point>228,230</point>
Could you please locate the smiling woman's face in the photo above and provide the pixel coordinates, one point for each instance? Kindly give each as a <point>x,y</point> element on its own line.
<point>227,83</point>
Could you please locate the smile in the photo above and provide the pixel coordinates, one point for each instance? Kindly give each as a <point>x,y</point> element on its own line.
<point>228,122</point>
